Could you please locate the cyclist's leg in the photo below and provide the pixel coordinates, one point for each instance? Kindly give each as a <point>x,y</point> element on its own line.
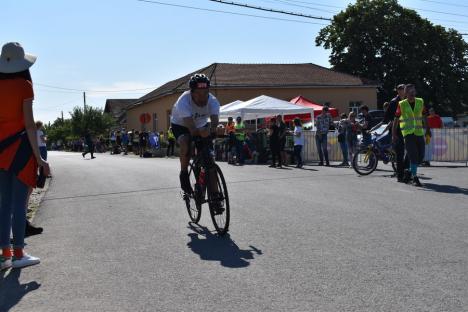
<point>182,135</point>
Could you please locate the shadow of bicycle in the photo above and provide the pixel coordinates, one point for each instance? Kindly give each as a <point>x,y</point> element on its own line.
<point>211,247</point>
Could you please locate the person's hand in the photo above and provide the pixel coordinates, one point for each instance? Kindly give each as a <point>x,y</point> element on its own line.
<point>45,166</point>
<point>204,132</point>
<point>428,132</point>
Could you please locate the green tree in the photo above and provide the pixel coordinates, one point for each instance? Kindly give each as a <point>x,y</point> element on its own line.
<point>59,130</point>
<point>90,119</point>
<point>383,41</point>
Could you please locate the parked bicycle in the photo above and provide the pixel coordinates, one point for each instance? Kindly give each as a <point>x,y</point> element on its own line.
<point>209,186</point>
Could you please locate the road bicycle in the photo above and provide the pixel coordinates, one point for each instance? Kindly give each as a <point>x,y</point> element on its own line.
<point>208,185</point>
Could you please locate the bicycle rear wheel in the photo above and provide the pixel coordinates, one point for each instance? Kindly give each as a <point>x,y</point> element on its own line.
<point>192,201</point>
<point>365,161</point>
<point>220,215</point>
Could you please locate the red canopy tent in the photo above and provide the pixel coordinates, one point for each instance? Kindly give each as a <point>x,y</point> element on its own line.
<point>302,101</point>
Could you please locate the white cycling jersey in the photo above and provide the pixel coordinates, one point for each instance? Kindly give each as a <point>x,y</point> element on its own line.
<point>185,107</point>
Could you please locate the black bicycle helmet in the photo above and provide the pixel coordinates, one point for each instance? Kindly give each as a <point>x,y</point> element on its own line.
<point>199,81</point>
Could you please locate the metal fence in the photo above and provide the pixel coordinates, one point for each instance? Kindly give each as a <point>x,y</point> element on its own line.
<point>447,145</point>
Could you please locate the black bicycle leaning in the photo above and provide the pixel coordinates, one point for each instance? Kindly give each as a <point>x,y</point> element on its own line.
<point>208,185</point>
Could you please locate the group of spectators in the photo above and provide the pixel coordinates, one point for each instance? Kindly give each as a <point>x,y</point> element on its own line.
<point>141,142</point>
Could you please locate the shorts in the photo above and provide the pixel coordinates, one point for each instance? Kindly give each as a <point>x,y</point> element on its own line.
<point>178,130</point>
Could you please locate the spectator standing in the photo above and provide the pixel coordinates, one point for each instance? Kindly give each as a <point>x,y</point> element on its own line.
<point>275,143</point>
<point>402,162</point>
<point>240,138</point>
<point>41,139</point>
<point>298,142</point>
<point>125,141</point>
<point>142,143</point>
<point>283,131</point>
<point>413,124</point>
<point>19,153</point>
<point>433,122</point>
<point>230,141</point>
<point>351,135</point>
<point>323,123</point>
<point>365,124</point>
<point>342,127</point>
<point>89,142</point>
<point>170,142</point>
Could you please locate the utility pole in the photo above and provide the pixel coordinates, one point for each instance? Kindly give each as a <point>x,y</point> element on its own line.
<point>84,101</point>
<point>62,116</point>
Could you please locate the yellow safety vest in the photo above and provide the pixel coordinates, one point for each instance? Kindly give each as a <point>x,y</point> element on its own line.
<point>240,135</point>
<point>170,135</point>
<point>411,121</point>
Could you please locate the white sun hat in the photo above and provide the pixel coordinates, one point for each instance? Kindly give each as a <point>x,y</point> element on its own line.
<point>14,60</point>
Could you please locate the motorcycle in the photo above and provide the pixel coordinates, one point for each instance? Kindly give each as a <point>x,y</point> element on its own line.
<point>380,147</point>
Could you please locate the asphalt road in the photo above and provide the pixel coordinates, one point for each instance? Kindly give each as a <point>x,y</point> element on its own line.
<point>117,238</point>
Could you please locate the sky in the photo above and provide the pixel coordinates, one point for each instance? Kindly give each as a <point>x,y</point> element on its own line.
<point>127,48</point>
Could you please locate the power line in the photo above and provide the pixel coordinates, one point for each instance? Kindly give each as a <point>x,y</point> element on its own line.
<point>91,91</point>
<point>446,3</point>
<point>271,10</point>
<point>231,13</point>
<point>302,6</point>
<point>314,3</point>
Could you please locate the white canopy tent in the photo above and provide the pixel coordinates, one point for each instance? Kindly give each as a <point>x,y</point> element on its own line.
<point>261,107</point>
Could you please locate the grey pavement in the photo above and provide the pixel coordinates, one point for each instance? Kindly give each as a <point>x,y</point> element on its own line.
<point>117,238</point>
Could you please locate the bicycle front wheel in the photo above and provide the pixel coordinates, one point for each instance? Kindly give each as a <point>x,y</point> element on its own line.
<point>193,201</point>
<point>365,161</point>
<point>219,204</point>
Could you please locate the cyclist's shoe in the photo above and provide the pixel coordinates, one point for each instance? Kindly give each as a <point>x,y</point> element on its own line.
<point>185,182</point>
<point>217,203</point>
<point>416,181</point>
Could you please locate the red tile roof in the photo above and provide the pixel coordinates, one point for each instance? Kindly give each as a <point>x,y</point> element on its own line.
<point>224,75</point>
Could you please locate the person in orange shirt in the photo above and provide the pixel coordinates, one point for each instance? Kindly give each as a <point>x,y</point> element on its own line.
<point>230,133</point>
<point>433,122</point>
<point>19,153</point>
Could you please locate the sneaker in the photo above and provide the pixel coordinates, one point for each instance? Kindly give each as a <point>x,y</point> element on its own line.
<point>26,260</point>
<point>185,182</point>
<point>272,166</point>
<point>5,263</point>
<point>32,230</point>
<point>416,181</point>
<point>82,154</point>
<point>320,163</point>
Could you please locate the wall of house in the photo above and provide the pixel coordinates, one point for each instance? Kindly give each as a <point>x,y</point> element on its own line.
<point>339,98</point>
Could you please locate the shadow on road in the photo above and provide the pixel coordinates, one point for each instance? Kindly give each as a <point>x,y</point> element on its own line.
<point>212,247</point>
<point>11,291</point>
<point>450,189</point>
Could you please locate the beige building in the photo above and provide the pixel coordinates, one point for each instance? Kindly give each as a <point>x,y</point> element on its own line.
<point>230,82</point>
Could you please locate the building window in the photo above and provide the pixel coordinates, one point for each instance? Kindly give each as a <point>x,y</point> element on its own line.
<point>155,122</point>
<point>354,106</point>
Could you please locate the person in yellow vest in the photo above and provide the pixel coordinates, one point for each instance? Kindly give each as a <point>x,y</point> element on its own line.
<point>413,124</point>
<point>170,143</point>
<point>240,138</point>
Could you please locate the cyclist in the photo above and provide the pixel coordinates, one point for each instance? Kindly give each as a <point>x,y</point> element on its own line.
<point>189,118</point>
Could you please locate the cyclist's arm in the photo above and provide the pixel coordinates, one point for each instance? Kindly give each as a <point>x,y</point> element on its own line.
<point>214,123</point>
